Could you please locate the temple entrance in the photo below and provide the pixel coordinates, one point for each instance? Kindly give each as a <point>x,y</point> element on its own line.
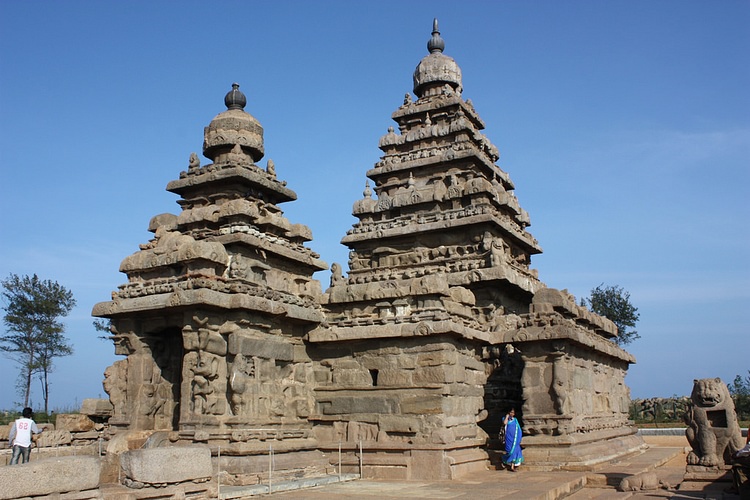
<point>502,391</point>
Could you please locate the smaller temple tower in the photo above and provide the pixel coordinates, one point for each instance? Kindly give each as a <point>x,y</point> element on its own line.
<point>212,317</point>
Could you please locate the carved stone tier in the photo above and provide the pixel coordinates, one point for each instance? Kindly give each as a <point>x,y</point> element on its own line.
<point>207,293</point>
<point>582,451</point>
<point>213,178</point>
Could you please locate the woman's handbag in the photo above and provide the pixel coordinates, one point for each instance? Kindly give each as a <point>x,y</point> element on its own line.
<point>501,435</point>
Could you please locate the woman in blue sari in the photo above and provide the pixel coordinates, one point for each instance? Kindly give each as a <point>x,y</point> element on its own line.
<point>513,455</point>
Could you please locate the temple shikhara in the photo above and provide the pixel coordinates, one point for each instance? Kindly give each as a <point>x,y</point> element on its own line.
<point>407,361</point>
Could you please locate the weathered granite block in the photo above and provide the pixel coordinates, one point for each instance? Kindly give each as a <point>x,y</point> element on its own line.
<point>50,438</point>
<point>445,374</point>
<point>74,422</point>
<point>421,405</point>
<point>352,378</point>
<point>173,464</point>
<point>96,407</point>
<point>264,348</point>
<point>430,465</point>
<point>473,377</point>
<point>398,423</point>
<point>49,476</point>
<point>215,343</point>
<point>395,378</point>
<point>86,436</point>
<point>347,404</point>
<point>437,358</point>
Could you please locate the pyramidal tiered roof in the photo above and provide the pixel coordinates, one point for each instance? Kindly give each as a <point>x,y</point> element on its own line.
<point>444,236</point>
<point>230,237</point>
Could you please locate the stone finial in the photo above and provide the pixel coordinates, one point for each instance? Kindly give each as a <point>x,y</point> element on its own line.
<point>231,127</point>
<point>235,99</point>
<point>436,43</point>
<point>436,69</point>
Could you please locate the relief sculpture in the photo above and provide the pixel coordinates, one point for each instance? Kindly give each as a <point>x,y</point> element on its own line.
<point>207,396</point>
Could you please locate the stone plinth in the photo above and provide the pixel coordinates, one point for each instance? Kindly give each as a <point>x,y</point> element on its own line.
<point>700,473</point>
<point>174,464</point>
<point>582,451</point>
<point>406,462</point>
<point>49,476</point>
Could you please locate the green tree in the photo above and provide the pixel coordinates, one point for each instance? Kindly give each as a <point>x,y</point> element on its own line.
<point>34,334</point>
<point>613,302</point>
<point>103,326</point>
<point>740,391</point>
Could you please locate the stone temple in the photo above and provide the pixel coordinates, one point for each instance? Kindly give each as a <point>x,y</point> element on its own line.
<point>406,363</point>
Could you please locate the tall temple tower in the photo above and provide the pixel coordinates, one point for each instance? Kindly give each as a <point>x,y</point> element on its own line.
<point>441,326</point>
<point>439,261</point>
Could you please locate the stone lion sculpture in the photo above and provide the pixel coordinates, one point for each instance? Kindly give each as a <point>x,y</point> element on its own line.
<point>712,428</point>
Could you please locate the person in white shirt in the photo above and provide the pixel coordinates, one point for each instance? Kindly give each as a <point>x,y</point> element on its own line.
<point>20,436</point>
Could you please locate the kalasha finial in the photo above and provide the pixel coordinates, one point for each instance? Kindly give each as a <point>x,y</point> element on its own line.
<point>436,43</point>
<point>235,99</point>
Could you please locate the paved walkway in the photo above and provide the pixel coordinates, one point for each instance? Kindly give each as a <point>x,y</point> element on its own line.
<point>666,456</point>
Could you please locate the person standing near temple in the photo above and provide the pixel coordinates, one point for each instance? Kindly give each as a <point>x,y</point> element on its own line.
<point>513,454</point>
<point>20,436</point>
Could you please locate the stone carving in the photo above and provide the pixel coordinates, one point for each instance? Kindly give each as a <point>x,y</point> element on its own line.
<point>207,397</point>
<point>194,163</point>
<point>390,138</point>
<point>116,385</point>
<point>644,481</point>
<point>149,397</point>
<point>559,378</point>
<point>58,437</point>
<point>243,388</point>
<point>713,431</point>
<point>336,276</point>
<point>237,156</point>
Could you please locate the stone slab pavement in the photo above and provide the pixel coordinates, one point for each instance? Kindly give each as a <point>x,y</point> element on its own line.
<point>666,455</point>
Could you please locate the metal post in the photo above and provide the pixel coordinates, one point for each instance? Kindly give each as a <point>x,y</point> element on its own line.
<point>339,460</point>
<point>360,459</point>
<point>270,468</point>
<point>218,473</point>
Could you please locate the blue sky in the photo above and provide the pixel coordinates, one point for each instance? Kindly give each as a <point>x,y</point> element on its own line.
<point>625,126</point>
